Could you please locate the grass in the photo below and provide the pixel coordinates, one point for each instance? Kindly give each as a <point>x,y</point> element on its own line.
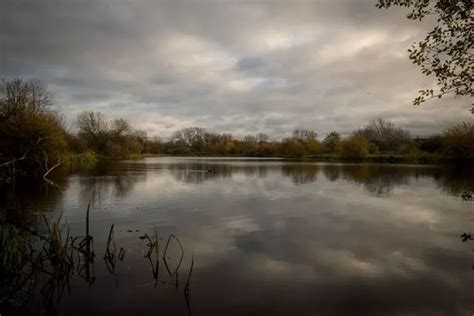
<point>47,260</point>
<point>110,251</point>
<point>24,265</point>
<point>152,253</point>
<point>88,157</point>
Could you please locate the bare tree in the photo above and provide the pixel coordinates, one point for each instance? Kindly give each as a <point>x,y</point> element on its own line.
<point>31,133</point>
<point>385,134</point>
<point>121,127</point>
<point>262,137</point>
<point>304,135</point>
<point>19,96</point>
<point>92,124</point>
<point>192,137</point>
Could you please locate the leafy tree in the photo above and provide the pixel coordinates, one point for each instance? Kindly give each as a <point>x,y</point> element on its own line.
<point>306,138</point>
<point>447,51</point>
<point>292,148</point>
<point>355,147</point>
<point>313,146</point>
<point>332,142</point>
<point>230,147</point>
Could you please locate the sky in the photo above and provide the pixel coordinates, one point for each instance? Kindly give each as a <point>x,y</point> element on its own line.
<point>243,67</point>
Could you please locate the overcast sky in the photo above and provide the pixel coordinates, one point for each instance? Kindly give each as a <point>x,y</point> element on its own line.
<point>229,66</point>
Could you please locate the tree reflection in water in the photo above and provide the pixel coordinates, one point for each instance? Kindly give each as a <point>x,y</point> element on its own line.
<point>239,213</point>
<point>118,179</point>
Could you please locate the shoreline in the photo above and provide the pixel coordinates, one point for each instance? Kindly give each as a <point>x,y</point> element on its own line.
<point>426,159</point>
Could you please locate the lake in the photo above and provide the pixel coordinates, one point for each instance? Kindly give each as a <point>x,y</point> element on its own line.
<point>230,236</point>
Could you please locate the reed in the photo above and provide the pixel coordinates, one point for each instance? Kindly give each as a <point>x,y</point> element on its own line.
<point>48,259</point>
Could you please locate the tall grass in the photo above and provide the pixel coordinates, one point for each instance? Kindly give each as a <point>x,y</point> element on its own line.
<point>45,262</point>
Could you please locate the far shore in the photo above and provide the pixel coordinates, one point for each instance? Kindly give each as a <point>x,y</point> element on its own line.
<point>425,159</point>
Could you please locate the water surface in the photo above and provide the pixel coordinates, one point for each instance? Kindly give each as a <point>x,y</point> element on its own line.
<point>268,237</point>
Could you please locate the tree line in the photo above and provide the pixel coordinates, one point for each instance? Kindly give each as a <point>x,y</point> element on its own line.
<point>34,138</point>
<point>378,137</point>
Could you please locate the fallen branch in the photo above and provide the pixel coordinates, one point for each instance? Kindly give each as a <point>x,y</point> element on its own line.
<point>25,154</point>
<point>14,160</point>
<point>52,168</point>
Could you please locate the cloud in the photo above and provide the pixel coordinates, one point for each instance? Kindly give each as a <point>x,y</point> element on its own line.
<point>226,66</point>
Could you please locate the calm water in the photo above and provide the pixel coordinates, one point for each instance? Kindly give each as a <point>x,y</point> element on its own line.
<point>268,237</point>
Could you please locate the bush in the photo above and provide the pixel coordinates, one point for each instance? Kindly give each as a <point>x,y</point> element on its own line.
<point>355,147</point>
<point>433,144</point>
<point>313,147</point>
<point>230,147</point>
<point>373,149</point>
<point>292,148</point>
<point>459,140</point>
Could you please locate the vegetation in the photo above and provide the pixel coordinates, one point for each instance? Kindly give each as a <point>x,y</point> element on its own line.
<point>114,138</point>
<point>355,147</point>
<point>459,140</point>
<point>34,140</point>
<point>32,134</point>
<point>385,135</point>
<point>332,142</point>
<point>378,139</point>
<point>447,51</point>
<point>38,266</point>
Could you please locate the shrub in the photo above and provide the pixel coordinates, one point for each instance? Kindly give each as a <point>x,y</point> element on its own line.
<point>355,147</point>
<point>433,144</point>
<point>313,147</point>
<point>230,147</point>
<point>373,149</point>
<point>291,148</point>
<point>459,140</point>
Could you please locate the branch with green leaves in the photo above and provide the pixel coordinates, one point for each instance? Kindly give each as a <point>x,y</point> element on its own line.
<point>447,52</point>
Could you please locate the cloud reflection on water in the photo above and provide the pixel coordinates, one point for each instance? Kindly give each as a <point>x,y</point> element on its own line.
<point>294,238</point>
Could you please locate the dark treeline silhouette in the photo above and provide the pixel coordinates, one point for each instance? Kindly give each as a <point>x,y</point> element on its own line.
<point>117,139</point>
<point>35,141</point>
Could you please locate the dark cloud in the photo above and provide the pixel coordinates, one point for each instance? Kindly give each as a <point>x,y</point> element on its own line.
<point>249,62</point>
<point>230,66</point>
